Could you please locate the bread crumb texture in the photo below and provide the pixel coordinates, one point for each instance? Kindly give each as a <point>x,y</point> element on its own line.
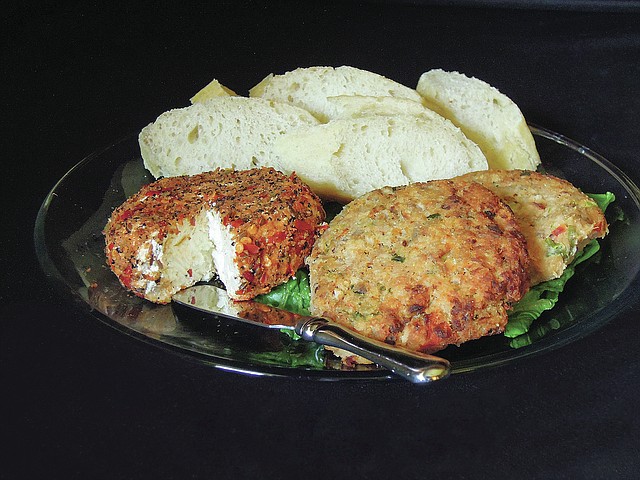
<point>423,266</point>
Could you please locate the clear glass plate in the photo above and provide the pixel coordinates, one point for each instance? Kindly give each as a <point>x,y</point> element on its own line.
<point>69,244</point>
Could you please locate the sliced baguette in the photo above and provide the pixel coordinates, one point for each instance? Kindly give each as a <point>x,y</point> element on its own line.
<point>485,115</point>
<point>309,87</point>
<point>225,131</point>
<point>348,157</point>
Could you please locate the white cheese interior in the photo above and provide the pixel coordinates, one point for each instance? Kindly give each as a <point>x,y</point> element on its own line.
<point>185,257</point>
<point>223,251</point>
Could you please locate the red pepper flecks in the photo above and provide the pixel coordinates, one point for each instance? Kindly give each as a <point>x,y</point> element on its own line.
<point>303,225</point>
<point>558,231</point>
<point>251,248</point>
<point>249,277</point>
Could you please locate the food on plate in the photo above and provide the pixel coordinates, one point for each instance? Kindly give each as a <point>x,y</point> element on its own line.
<point>349,157</point>
<point>556,218</point>
<point>310,87</point>
<point>253,228</point>
<point>485,115</point>
<point>422,266</point>
<point>221,132</point>
<point>446,226</point>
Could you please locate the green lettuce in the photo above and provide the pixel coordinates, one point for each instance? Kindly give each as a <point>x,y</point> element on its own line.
<point>602,199</point>
<point>293,295</point>
<point>294,354</point>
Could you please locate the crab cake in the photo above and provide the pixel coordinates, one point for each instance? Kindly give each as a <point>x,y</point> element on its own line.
<point>252,227</point>
<point>556,218</point>
<point>423,265</point>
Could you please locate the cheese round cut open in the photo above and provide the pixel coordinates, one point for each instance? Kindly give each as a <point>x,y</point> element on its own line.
<point>253,228</point>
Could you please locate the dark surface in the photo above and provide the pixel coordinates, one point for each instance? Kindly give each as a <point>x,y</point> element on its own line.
<point>81,400</point>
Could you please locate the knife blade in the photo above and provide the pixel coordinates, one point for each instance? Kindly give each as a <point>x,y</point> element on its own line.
<point>413,366</point>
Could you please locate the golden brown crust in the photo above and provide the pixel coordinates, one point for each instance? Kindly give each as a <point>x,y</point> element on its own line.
<point>556,218</point>
<point>273,218</point>
<point>423,266</point>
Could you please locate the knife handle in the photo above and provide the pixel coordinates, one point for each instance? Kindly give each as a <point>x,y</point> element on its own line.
<point>413,366</point>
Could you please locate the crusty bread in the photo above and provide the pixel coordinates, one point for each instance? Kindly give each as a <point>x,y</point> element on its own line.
<point>213,89</point>
<point>309,87</point>
<point>348,157</point>
<point>485,115</point>
<point>368,145</point>
<point>224,131</point>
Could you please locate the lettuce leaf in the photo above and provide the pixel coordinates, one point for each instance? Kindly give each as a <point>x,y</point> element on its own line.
<point>293,295</point>
<point>295,354</point>
<point>602,199</point>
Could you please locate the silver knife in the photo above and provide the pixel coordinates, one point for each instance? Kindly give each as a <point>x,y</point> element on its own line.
<point>413,366</point>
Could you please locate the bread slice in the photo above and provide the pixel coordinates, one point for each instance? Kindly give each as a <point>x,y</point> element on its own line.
<point>224,131</point>
<point>348,157</point>
<point>485,115</point>
<point>309,87</point>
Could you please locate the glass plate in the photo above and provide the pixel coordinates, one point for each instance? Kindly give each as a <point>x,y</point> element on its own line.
<point>70,244</point>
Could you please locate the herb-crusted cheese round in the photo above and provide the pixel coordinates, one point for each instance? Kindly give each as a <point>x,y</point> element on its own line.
<point>253,228</point>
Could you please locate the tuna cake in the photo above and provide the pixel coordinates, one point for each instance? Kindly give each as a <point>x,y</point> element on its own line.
<point>556,218</point>
<point>422,266</point>
<point>253,228</point>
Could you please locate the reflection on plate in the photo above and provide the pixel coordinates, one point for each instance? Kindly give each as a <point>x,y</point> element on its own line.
<point>69,244</point>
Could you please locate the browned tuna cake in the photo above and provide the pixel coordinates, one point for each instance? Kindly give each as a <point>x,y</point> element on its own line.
<point>252,227</point>
<point>556,218</point>
<point>423,265</point>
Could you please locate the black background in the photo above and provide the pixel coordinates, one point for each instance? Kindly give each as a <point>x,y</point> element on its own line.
<point>81,400</point>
